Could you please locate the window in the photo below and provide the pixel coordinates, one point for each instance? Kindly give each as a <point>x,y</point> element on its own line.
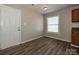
<point>53,24</point>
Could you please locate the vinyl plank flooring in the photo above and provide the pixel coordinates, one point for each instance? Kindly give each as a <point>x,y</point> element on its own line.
<point>42,46</point>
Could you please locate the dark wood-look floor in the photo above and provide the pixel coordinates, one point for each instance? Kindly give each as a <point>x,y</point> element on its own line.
<point>42,46</point>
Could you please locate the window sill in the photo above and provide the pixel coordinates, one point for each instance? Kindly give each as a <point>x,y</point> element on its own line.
<point>53,32</point>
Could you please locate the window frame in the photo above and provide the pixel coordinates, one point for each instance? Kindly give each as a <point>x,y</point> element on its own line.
<point>58,25</point>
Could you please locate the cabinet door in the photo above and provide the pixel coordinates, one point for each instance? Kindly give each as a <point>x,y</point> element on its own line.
<point>75,15</point>
<point>75,37</point>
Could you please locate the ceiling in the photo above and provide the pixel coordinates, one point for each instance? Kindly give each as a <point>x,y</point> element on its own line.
<point>39,7</point>
<point>51,7</point>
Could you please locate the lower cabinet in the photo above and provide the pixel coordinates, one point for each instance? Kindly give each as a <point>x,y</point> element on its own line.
<point>75,36</point>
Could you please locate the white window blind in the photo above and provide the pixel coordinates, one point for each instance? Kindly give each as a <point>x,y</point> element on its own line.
<point>53,24</point>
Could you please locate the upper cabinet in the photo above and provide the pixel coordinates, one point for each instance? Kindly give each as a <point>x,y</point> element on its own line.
<point>75,15</point>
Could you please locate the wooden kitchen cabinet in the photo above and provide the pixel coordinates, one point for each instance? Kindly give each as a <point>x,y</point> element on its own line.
<point>75,36</point>
<point>75,15</point>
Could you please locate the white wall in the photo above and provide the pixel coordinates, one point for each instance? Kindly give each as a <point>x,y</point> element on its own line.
<point>65,24</point>
<point>31,23</point>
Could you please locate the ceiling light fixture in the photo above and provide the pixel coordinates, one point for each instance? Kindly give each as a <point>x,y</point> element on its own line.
<point>45,8</point>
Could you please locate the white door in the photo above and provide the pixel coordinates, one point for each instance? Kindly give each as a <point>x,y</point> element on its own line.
<point>11,27</point>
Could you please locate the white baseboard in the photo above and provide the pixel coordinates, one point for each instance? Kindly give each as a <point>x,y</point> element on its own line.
<point>31,39</point>
<point>74,45</point>
<point>59,39</point>
<point>21,42</point>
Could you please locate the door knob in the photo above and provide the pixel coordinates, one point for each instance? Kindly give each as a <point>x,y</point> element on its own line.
<point>19,29</point>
